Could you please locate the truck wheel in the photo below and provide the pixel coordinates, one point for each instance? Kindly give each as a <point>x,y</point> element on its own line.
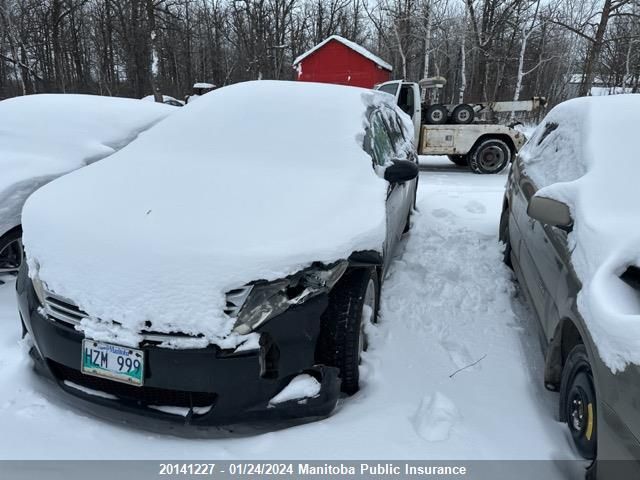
<point>463,114</point>
<point>578,402</point>
<point>436,115</point>
<point>353,302</point>
<point>11,252</point>
<point>490,156</point>
<point>459,160</point>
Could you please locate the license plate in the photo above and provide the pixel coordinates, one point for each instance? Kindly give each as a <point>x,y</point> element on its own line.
<point>122,364</point>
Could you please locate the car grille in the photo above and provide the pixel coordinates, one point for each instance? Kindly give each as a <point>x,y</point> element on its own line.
<point>62,310</point>
<point>140,395</point>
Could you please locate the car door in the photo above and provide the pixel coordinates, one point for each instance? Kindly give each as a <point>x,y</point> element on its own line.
<point>540,253</point>
<point>382,151</point>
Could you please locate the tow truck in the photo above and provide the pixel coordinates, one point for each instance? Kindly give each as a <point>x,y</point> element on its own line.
<point>455,130</point>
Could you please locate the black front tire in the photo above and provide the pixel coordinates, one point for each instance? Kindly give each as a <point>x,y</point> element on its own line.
<point>11,252</point>
<point>490,156</point>
<point>578,408</point>
<point>503,236</point>
<point>342,338</point>
<point>459,160</point>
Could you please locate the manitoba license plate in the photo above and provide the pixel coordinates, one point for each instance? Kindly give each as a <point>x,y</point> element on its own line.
<point>122,364</point>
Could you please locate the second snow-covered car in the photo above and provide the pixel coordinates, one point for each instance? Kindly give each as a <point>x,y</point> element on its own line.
<point>45,136</point>
<point>230,276</point>
<point>571,228</point>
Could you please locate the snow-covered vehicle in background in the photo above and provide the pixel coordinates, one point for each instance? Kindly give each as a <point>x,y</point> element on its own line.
<point>166,99</point>
<point>571,227</point>
<point>484,147</point>
<point>247,290</point>
<point>45,136</point>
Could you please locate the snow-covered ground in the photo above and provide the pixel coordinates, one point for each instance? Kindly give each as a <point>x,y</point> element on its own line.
<point>448,303</point>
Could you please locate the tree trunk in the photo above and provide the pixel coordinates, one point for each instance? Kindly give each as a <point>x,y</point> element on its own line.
<point>593,55</point>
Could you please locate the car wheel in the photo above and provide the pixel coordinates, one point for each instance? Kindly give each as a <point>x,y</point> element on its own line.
<point>407,225</point>
<point>436,115</point>
<point>353,302</point>
<point>459,160</point>
<point>491,156</point>
<point>11,252</point>
<point>463,114</point>
<point>503,236</point>
<point>578,402</point>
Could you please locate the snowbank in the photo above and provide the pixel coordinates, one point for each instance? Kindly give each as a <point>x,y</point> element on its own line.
<point>591,162</point>
<point>45,136</point>
<point>267,178</point>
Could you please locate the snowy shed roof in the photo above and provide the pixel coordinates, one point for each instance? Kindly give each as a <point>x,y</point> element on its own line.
<point>203,85</point>
<point>348,43</point>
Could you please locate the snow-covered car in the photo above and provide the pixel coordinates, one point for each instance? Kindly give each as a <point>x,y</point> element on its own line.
<point>166,99</point>
<point>45,136</point>
<point>571,227</point>
<point>235,282</point>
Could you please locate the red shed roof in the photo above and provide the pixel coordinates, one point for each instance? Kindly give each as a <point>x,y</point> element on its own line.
<point>348,43</point>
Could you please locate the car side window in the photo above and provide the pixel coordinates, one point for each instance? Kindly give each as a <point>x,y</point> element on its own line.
<point>396,133</point>
<point>382,148</point>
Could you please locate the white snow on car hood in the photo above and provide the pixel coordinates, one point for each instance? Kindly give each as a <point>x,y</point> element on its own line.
<point>45,136</point>
<point>255,181</point>
<point>597,162</point>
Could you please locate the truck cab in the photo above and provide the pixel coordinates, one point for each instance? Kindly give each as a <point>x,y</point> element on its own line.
<point>485,148</point>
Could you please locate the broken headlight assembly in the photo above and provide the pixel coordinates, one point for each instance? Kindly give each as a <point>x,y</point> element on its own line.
<point>258,302</point>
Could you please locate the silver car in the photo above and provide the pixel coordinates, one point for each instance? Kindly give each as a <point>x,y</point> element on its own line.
<point>600,408</point>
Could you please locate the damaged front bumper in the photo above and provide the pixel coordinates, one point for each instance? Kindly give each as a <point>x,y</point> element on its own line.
<point>188,390</point>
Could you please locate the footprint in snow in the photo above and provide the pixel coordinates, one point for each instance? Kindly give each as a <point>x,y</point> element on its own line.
<point>475,207</point>
<point>435,417</point>
<point>458,354</point>
<point>441,212</point>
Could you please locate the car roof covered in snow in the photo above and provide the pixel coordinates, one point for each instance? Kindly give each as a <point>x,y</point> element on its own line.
<point>348,43</point>
<point>585,153</point>
<point>268,178</point>
<point>46,135</point>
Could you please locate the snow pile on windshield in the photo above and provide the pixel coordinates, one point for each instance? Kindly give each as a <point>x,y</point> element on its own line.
<point>254,181</point>
<point>591,162</point>
<point>44,136</point>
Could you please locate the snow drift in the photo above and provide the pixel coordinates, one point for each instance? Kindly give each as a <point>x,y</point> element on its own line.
<point>591,162</point>
<point>253,182</point>
<point>45,136</point>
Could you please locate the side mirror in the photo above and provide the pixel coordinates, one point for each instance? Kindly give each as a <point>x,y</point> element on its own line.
<point>401,171</point>
<point>550,212</point>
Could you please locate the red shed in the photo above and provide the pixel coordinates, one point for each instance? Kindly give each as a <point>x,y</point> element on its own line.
<point>338,60</point>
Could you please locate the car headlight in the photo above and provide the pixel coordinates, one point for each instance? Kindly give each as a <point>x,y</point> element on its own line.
<point>38,286</point>
<point>257,303</point>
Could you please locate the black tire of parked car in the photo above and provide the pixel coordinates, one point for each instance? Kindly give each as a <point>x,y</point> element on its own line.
<point>342,336</point>
<point>407,225</point>
<point>490,156</point>
<point>459,160</point>
<point>463,114</point>
<point>11,251</point>
<point>503,236</point>
<point>436,115</point>
<point>578,402</point>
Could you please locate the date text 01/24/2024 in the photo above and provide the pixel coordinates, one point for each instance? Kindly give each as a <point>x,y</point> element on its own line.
<point>365,469</point>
